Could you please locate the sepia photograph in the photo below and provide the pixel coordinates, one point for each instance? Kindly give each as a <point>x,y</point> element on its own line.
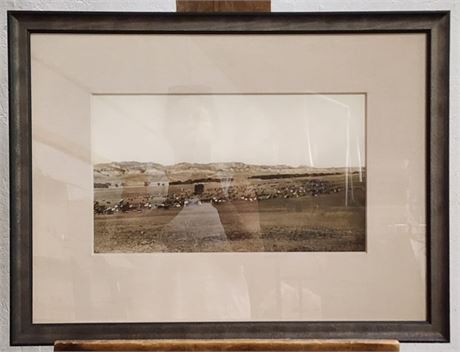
<point>229,172</point>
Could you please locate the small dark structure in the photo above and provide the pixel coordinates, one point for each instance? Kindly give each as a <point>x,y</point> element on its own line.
<point>198,188</point>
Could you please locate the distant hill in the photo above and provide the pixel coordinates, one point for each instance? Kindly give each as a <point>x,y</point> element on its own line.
<point>137,173</point>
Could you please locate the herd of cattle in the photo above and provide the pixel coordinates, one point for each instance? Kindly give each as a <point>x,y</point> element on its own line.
<point>215,193</point>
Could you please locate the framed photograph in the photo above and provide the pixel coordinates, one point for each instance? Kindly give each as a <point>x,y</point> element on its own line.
<point>278,175</point>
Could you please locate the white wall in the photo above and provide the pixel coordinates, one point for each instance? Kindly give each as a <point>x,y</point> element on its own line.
<point>277,5</point>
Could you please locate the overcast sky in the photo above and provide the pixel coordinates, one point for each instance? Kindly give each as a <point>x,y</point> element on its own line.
<point>311,130</point>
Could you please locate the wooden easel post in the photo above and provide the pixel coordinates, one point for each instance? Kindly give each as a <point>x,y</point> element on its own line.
<point>253,345</point>
<point>223,5</point>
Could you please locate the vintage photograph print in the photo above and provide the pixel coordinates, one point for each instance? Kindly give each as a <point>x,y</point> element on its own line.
<point>229,172</point>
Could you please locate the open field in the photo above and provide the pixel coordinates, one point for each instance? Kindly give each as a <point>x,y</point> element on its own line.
<point>247,210</point>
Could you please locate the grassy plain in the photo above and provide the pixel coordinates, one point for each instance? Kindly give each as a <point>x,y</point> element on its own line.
<point>302,213</point>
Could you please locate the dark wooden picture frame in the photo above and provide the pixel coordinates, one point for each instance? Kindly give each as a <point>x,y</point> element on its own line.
<point>434,24</point>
